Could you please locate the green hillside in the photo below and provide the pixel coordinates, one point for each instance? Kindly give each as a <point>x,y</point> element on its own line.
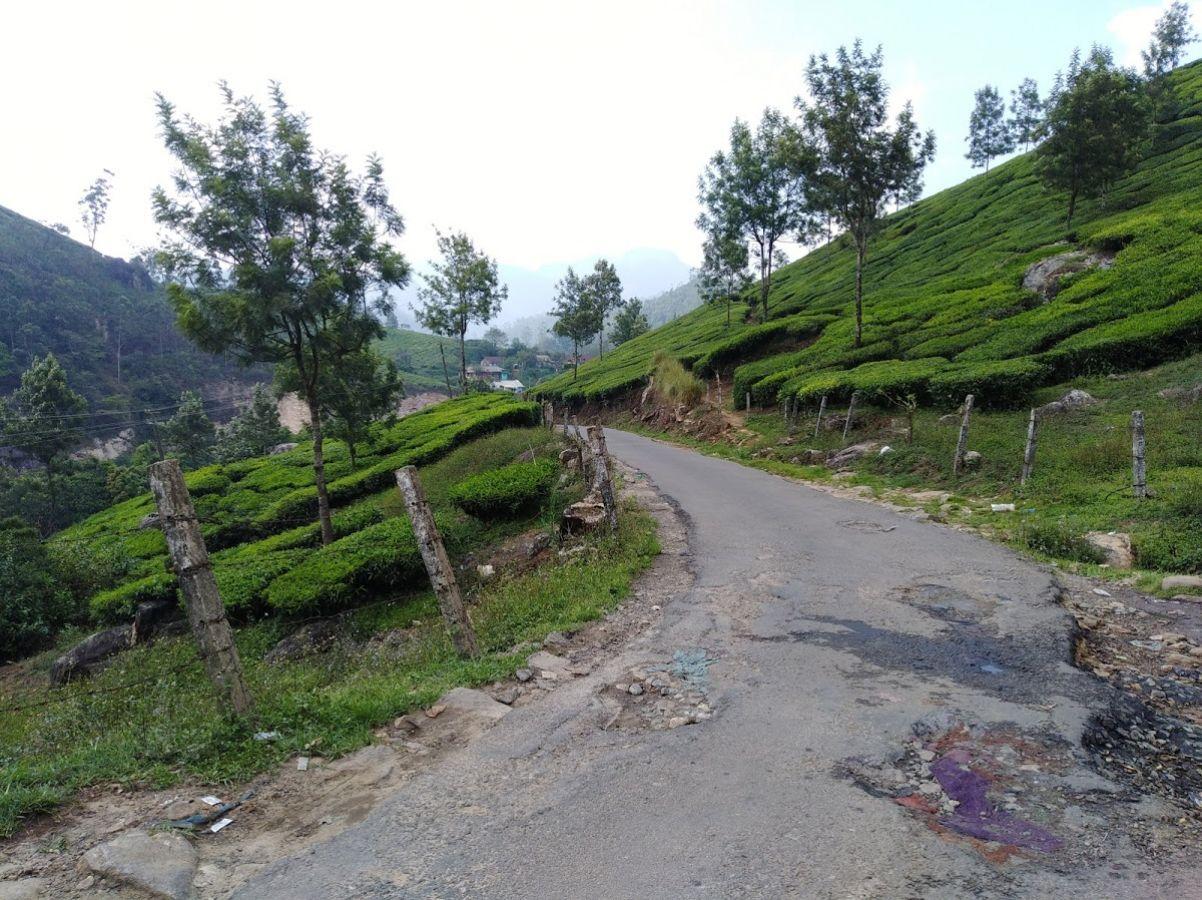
<point>416,355</point>
<point>105,319</point>
<point>945,310</point>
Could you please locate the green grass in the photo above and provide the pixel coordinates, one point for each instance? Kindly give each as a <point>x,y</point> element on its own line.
<point>945,310</point>
<point>156,722</point>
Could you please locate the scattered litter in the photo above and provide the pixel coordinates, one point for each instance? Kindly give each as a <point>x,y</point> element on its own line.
<point>1101,593</point>
<point>436,710</point>
<point>884,450</point>
<point>201,819</point>
<point>267,735</point>
<point>219,824</point>
<point>302,764</point>
<point>211,801</point>
<point>1002,507</point>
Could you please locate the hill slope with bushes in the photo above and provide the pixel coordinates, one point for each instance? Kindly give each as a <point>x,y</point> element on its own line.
<point>946,312</point>
<point>105,319</point>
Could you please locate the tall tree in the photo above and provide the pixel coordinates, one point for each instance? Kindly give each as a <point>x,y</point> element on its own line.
<point>461,289</point>
<point>989,133</point>
<point>757,190</point>
<point>605,289</point>
<point>862,161</point>
<point>277,252</point>
<point>723,275</point>
<point>95,206</point>
<point>577,317</point>
<point>1026,113</point>
<point>366,388</point>
<point>1098,123</point>
<point>1172,33</point>
<point>254,431</point>
<point>498,339</point>
<point>43,417</point>
<point>630,321</point>
<point>189,434</point>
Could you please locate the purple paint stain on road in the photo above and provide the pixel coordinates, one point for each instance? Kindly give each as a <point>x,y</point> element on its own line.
<point>976,817</point>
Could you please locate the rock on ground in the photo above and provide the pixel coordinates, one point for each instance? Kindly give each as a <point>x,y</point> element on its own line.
<point>1179,582</point>
<point>854,452</point>
<point>1044,276</point>
<point>1074,399</point>
<point>472,702</point>
<point>1116,545</point>
<point>25,889</point>
<point>93,649</point>
<point>161,863</point>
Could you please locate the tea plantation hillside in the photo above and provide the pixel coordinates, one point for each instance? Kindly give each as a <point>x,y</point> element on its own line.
<point>259,521</point>
<point>945,309</point>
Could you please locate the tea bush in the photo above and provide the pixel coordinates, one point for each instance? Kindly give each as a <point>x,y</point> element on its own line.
<point>506,493</point>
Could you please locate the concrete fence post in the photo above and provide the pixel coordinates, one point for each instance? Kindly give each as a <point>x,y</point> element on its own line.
<point>962,441</point>
<point>1139,470</point>
<point>821,410</point>
<point>1029,452</point>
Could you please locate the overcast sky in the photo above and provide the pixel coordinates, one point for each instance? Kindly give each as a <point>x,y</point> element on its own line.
<point>550,131</point>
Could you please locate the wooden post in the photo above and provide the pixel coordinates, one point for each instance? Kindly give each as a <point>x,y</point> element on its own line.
<point>1029,453</point>
<point>190,558</point>
<point>749,403</point>
<point>851,411</point>
<point>434,554</point>
<point>718,382</point>
<point>1139,471</point>
<point>962,441</point>
<point>602,482</point>
<point>821,410</point>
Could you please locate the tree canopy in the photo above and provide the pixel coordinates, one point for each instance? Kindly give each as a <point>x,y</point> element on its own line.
<point>989,134</point>
<point>577,316</point>
<point>1026,113</point>
<point>605,292</point>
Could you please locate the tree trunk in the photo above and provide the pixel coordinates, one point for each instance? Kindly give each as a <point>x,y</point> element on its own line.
<point>190,558</point>
<point>601,343</point>
<point>575,359</point>
<point>319,470</point>
<point>434,554</point>
<point>463,361</point>
<point>861,254</point>
<point>446,373</point>
<point>1072,208</point>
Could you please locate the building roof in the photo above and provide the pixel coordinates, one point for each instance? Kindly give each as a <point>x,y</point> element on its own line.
<point>509,384</point>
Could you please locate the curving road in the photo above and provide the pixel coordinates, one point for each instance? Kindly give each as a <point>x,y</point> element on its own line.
<point>894,715</point>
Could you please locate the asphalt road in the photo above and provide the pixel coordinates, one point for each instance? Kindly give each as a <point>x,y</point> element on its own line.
<point>867,670</point>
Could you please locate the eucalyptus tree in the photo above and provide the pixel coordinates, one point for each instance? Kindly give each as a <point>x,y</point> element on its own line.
<point>94,206</point>
<point>630,321</point>
<point>577,316</point>
<point>723,274</point>
<point>275,251</point>
<point>461,289</point>
<point>605,290</point>
<point>1097,128</point>
<point>759,191</point>
<point>1026,113</point>
<point>862,161</point>
<point>1172,33</point>
<point>989,134</point>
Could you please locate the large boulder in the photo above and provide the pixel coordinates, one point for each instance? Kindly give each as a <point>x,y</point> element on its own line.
<point>1115,545</point>
<point>160,863</point>
<point>286,447</point>
<point>1182,394</point>
<point>91,651</point>
<point>156,617</point>
<point>1044,277</point>
<point>1074,399</point>
<point>1181,582</point>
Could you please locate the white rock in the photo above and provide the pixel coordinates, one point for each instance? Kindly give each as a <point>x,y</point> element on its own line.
<point>161,863</point>
<point>1176,582</point>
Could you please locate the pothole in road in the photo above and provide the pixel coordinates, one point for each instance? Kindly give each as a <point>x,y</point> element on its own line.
<point>866,527</point>
<point>948,604</point>
<point>662,696</point>
<point>1009,793</point>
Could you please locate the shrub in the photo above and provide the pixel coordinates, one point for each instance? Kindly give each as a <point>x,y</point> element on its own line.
<point>1000,383</point>
<point>675,383</point>
<point>1057,540</point>
<point>1175,549</point>
<point>382,557</point>
<point>243,580</point>
<point>210,480</point>
<point>507,492</point>
<point>120,602</point>
<point>32,603</point>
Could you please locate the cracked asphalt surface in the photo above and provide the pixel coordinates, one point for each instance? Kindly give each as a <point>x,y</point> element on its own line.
<point>842,635</point>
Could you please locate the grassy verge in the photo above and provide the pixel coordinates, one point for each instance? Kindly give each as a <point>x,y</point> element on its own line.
<point>150,718</point>
<point>1082,479</point>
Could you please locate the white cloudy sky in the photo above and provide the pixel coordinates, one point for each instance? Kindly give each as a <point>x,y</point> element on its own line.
<point>550,131</point>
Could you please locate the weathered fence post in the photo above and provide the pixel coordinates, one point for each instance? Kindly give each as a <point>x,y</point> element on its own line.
<point>1139,471</point>
<point>749,403</point>
<point>821,410</point>
<point>962,441</point>
<point>602,481</point>
<point>792,417</point>
<point>1029,453</point>
<point>190,558</point>
<point>718,382</point>
<point>434,554</point>
<point>851,411</point>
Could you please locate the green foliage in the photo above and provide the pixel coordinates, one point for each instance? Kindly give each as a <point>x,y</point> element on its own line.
<point>577,315</point>
<point>1058,540</point>
<point>946,280</point>
<point>189,434</point>
<point>252,432</point>
<point>506,493</point>
<point>989,135</point>
<point>630,322</point>
<point>33,605</point>
<point>675,383</point>
<point>44,415</point>
<point>120,602</point>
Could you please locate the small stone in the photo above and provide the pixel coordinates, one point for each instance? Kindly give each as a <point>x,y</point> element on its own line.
<point>926,755</point>
<point>508,695</point>
<point>930,788</point>
<point>1177,582</point>
<point>677,721</point>
<point>436,710</point>
<point>635,689</point>
<point>523,675</point>
<point>485,571</point>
